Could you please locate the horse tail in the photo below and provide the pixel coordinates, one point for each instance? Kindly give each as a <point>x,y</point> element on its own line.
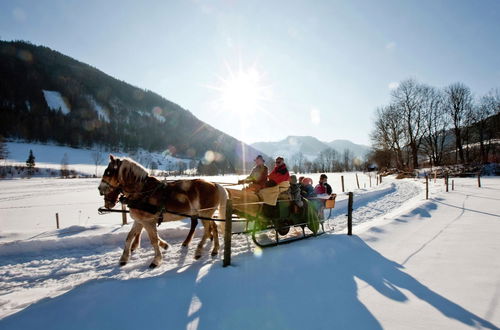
<point>223,196</point>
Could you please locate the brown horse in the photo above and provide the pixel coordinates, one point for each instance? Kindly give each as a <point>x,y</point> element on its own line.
<point>149,199</point>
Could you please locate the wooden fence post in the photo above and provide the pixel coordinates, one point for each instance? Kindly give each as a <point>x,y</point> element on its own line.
<point>124,215</point>
<point>227,234</point>
<point>446,179</point>
<point>342,179</point>
<point>370,176</point>
<point>426,187</point>
<point>479,179</point>
<point>380,176</point>
<point>57,220</point>
<point>349,214</point>
<point>357,180</point>
<point>452,185</point>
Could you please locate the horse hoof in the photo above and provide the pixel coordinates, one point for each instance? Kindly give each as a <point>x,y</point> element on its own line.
<point>213,254</point>
<point>197,257</point>
<point>123,263</point>
<point>165,247</point>
<point>153,265</point>
<point>185,244</point>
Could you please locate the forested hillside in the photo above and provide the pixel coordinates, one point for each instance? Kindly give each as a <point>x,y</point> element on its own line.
<point>47,96</point>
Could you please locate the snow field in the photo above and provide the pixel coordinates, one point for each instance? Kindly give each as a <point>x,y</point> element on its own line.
<point>32,249</point>
<point>420,265</point>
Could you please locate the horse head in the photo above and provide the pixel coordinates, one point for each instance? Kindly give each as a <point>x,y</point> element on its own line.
<point>110,186</point>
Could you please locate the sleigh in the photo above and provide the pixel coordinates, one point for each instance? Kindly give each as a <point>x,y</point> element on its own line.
<point>272,218</point>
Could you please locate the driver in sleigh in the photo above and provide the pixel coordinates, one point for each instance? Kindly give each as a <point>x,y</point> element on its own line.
<point>257,177</point>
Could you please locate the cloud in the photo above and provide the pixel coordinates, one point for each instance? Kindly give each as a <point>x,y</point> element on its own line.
<point>390,46</point>
<point>393,85</point>
<point>315,116</point>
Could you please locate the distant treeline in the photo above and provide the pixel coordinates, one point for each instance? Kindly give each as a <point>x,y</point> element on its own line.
<point>328,160</point>
<point>424,125</point>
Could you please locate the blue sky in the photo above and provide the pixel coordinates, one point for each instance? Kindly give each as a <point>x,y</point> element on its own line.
<point>316,68</point>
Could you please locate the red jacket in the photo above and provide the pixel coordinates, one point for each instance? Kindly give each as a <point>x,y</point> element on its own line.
<point>279,174</point>
<point>323,189</point>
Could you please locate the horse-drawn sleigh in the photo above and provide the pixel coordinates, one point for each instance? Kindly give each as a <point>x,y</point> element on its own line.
<point>269,217</point>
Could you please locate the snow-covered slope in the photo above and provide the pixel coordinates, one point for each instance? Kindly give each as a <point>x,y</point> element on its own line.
<point>55,101</point>
<point>49,156</point>
<point>416,265</point>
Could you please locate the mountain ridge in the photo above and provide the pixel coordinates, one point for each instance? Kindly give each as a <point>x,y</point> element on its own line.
<point>309,146</point>
<point>48,96</point>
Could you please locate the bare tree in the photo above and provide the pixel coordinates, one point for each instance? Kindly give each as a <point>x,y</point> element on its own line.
<point>297,162</point>
<point>347,157</point>
<point>330,157</point>
<point>488,106</point>
<point>458,103</point>
<point>409,98</point>
<point>182,167</point>
<point>388,136</point>
<point>98,158</point>
<point>435,126</point>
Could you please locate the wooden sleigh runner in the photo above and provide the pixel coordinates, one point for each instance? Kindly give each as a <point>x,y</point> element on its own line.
<point>272,218</point>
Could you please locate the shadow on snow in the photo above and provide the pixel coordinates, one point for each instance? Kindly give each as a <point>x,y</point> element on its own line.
<point>301,286</point>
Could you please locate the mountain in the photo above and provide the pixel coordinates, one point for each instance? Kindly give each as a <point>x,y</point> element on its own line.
<point>46,96</point>
<point>309,146</point>
<point>359,150</point>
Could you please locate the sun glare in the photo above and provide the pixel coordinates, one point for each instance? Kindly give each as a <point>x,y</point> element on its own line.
<point>242,91</point>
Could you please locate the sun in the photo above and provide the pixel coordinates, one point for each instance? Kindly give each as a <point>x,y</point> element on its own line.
<point>243,91</point>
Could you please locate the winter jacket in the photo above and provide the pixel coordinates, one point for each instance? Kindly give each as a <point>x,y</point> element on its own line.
<point>279,174</point>
<point>308,191</point>
<point>258,176</point>
<point>295,194</point>
<point>323,189</point>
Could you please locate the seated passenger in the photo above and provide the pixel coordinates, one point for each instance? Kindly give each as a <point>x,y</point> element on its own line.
<point>295,191</point>
<point>257,177</point>
<point>279,174</point>
<point>323,187</point>
<point>307,189</point>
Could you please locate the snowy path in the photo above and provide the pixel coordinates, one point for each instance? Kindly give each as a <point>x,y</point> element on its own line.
<point>424,265</point>
<point>54,262</point>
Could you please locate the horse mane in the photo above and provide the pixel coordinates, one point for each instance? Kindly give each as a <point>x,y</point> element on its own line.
<point>131,171</point>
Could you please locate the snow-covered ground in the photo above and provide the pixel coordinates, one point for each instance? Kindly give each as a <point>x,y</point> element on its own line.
<point>411,264</point>
<point>49,156</point>
<point>29,207</point>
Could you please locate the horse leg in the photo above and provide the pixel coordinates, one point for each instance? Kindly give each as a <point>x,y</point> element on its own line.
<point>137,241</point>
<point>134,231</point>
<point>194,223</point>
<point>163,244</point>
<point>215,234</point>
<point>206,234</point>
<point>153,237</point>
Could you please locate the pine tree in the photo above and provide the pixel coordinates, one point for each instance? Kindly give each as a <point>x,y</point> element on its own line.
<point>3,149</point>
<point>64,166</point>
<point>30,163</point>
